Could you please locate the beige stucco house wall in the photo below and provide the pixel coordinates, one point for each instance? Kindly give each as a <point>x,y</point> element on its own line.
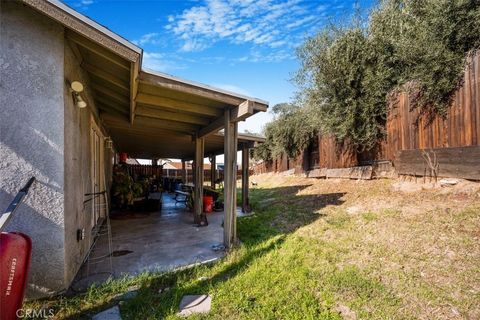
<point>43,134</point>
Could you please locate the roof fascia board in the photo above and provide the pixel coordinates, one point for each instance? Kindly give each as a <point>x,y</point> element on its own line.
<point>79,23</point>
<point>243,137</point>
<point>203,86</point>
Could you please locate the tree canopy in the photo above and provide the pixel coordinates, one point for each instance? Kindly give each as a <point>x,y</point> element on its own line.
<point>348,72</point>
<point>289,132</point>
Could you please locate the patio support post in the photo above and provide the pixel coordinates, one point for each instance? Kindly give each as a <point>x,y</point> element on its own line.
<point>184,173</point>
<point>230,182</point>
<point>193,171</point>
<point>245,199</point>
<point>213,171</point>
<point>200,216</point>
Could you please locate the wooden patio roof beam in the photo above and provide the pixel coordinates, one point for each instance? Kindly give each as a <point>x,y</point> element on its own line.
<point>177,105</point>
<point>213,127</point>
<point>153,112</point>
<point>239,113</point>
<point>145,123</point>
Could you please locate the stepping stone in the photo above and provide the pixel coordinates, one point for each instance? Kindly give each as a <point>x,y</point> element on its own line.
<point>192,304</point>
<point>109,314</point>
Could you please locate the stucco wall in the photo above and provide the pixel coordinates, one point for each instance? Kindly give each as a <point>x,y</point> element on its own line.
<point>78,162</point>
<point>32,137</point>
<point>77,169</point>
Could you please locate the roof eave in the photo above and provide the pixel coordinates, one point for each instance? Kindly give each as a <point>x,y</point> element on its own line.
<point>204,87</point>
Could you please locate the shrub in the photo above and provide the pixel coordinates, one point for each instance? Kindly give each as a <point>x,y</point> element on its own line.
<point>348,72</point>
<point>289,132</point>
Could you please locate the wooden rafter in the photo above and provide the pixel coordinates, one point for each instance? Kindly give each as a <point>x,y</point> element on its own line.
<point>110,109</point>
<point>145,123</point>
<point>153,112</point>
<point>108,102</point>
<point>95,48</point>
<point>177,105</point>
<point>114,95</point>
<point>106,76</point>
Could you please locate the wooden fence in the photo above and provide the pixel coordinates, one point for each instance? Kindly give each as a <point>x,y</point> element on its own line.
<point>159,171</point>
<point>406,128</point>
<point>145,170</point>
<point>409,129</point>
<point>318,155</point>
<point>177,173</point>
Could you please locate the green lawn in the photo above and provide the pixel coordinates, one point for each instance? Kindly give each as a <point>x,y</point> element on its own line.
<point>317,249</point>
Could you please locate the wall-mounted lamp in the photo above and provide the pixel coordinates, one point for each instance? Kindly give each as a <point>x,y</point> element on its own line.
<point>109,143</point>
<point>77,87</point>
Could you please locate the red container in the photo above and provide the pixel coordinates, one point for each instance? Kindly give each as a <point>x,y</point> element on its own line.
<point>207,204</point>
<point>15,251</point>
<point>123,157</point>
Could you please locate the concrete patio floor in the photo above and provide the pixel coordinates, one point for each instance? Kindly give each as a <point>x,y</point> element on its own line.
<point>156,241</point>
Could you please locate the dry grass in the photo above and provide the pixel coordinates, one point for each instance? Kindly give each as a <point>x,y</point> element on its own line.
<point>326,249</point>
<point>422,244</point>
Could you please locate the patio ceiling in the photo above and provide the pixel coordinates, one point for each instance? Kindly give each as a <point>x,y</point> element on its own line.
<point>147,114</point>
<point>155,115</point>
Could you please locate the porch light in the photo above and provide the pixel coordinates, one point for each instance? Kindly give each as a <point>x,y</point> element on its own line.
<point>77,87</point>
<point>79,101</point>
<point>108,143</point>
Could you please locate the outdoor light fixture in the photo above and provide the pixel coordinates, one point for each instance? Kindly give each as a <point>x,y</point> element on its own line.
<point>77,87</point>
<point>109,143</point>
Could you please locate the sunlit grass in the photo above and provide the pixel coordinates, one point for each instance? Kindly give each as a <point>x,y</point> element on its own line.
<point>304,255</point>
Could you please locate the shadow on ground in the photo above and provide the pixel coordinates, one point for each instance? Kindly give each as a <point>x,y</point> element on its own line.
<point>278,212</point>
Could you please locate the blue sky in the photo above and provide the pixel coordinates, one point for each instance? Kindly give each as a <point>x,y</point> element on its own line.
<point>245,46</point>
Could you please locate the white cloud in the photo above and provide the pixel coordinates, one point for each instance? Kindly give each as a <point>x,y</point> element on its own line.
<point>83,4</point>
<point>272,56</point>
<point>231,88</point>
<point>159,62</point>
<point>193,45</point>
<point>277,44</point>
<point>268,23</point>
<point>300,22</point>
<point>149,38</point>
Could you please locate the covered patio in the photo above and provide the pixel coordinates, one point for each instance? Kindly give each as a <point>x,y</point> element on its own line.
<point>152,115</point>
<point>89,100</point>
<point>162,240</point>
<point>173,118</point>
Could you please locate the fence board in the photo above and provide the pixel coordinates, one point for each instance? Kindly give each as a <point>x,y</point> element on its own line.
<point>460,162</point>
<point>406,129</point>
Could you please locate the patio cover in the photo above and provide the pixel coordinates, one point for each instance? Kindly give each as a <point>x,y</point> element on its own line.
<point>154,115</point>
<point>147,114</point>
<point>169,113</point>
